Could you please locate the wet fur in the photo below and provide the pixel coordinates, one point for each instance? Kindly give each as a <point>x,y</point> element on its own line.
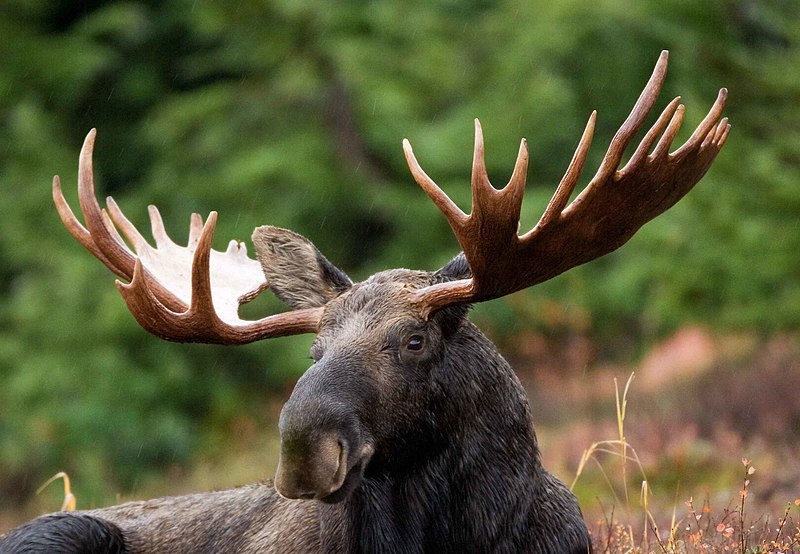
<point>456,467</point>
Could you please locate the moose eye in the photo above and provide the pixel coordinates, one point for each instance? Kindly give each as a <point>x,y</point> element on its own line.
<point>415,343</point>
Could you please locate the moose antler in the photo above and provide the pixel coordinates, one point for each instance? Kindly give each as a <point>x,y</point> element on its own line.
<point>612,207</point>
<point>181,293</point>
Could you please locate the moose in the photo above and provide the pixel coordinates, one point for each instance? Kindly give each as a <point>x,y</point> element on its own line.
<point>409,432</point>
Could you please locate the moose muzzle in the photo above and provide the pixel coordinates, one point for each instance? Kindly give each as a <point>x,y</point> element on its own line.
<point>311,466</point>
<point>323,450</point>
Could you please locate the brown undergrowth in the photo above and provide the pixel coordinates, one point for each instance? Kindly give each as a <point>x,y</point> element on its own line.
<point>634,527</point>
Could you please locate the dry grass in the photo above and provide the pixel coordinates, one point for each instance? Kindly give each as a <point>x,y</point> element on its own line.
<point>70,502</point>
<point>700,529</point>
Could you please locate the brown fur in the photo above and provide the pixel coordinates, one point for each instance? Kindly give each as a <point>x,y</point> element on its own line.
<point>246,520</point>
<point>412,434</point>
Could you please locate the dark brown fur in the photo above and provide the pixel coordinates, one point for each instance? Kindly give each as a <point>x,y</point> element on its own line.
<point>404,449</point>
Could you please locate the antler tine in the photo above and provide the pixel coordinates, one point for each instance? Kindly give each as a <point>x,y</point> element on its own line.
<point>515,188</point>
<point>494,212</point>
<point>484,195</point>
<point>157,226</point>
<point>564,190</point>
<point>455,217</point>
<point>709,122</point>
<point>195,228</point>
<point>481,187</point>
<point>128,229</point>
<point>77,230</point>
<point>665,142</point>
<point>666,118</point>
<point>112,230</point>
<point>519,176</point>
<point>723,129</point>
<point>121,258</point>
<point>202,300</point>
<point>635,120</point>
<point>235,247</point>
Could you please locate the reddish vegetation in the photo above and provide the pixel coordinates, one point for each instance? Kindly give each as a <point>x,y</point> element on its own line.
<point>698,404</point>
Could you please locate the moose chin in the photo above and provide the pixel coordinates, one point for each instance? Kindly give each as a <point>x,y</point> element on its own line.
<point>409,433</point>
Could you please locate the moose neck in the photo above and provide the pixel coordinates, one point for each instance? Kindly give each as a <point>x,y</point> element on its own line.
<point>474,481</point>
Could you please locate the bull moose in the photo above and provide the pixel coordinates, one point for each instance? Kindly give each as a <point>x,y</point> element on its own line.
<point>409,432</point>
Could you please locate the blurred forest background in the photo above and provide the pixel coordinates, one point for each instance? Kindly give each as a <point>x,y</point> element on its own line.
<point>292,113</point>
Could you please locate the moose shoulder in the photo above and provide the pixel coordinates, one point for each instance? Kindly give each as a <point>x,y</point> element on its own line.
<point>409,432</point>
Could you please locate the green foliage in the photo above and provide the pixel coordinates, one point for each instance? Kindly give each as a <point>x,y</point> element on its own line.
<point>292,113</point>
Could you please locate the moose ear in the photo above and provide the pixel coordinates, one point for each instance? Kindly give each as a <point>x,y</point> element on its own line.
<point>457,268</point>
<point>296,271</point>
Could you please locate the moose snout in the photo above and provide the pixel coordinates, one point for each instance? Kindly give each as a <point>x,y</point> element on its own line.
<point>312,466</point>
<point>324,448</point>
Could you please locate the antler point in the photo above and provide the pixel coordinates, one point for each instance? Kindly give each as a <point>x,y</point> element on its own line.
<point>724,136</point>
<point>121,286</point>
<point>409,153</point>
<point>88,143</point>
